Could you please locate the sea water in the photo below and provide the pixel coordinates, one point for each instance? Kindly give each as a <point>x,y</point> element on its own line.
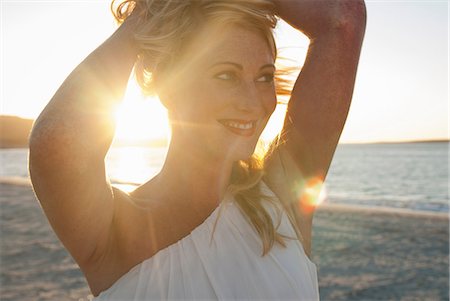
<point>404,175</point>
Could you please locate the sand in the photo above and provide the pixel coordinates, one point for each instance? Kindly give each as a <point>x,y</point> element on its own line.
<point>361,254</point>
<point>381,255</point>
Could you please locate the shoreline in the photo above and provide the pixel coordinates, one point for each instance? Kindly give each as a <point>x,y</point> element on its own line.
<point>383,210</point>
<point>20,141</point>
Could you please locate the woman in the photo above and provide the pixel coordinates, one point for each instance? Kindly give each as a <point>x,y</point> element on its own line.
<point>216,222</point>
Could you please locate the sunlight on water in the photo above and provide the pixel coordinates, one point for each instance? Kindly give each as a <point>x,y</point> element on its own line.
<point>126,187</point>
<point>130,163</point>
<point>134,165</point>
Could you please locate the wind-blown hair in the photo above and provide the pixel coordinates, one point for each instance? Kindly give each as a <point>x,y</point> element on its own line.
<point>165,28</point>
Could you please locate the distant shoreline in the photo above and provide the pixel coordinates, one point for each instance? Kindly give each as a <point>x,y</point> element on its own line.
<point>160,143</point>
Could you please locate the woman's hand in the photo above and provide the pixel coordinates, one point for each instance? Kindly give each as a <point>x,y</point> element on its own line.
<point>128,28</point>
<point>319,17</point>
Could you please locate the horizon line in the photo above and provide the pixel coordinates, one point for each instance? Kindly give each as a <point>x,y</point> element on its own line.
<point>122,142</point>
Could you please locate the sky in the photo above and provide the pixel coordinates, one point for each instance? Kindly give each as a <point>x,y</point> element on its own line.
<point>401,90</point>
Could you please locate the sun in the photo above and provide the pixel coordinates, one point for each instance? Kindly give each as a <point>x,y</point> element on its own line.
<point>140,118</point>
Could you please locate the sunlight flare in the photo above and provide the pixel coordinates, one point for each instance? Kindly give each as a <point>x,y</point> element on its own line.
<point>140,118</point>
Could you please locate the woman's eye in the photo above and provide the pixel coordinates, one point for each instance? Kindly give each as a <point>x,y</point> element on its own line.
<point>267,78</point>
<point>225,76</point>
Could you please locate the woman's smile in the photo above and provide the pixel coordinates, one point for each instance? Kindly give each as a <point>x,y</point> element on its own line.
<point>240,127</point>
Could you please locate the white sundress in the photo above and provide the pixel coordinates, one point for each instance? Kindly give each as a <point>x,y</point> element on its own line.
<point>228,266</point>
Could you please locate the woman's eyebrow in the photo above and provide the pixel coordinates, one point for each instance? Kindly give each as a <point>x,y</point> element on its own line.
<point>227,63</point>
<point>240,66</point>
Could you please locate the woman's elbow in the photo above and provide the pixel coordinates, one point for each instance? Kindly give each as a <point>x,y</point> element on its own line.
<point>353,17</point>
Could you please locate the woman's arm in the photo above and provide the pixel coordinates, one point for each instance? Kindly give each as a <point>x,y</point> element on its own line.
<point>322,94</point>
<point>320,99</point>
<point>69,142</point>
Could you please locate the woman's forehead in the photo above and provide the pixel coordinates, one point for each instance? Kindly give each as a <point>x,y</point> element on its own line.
<point>241,46</point>
<point>235,44</point>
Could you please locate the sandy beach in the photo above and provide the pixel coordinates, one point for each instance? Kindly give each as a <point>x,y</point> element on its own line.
<point>361,254</point>
<point>373,254</point>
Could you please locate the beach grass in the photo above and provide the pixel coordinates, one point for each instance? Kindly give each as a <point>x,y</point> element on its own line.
<point>361,254</point>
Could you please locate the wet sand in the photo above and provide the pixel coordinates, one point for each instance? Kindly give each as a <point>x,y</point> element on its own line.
<point>369,254</point>
<point>361,254</point>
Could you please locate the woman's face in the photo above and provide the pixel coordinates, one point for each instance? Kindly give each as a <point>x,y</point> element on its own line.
<point>225,94</point>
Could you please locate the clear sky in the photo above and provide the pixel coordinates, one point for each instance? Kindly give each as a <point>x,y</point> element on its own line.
<point>401,90</point>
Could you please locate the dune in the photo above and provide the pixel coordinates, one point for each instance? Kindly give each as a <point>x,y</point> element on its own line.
<point>14,131</point>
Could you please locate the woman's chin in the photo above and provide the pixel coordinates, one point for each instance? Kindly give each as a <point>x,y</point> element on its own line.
<point>241,151</point>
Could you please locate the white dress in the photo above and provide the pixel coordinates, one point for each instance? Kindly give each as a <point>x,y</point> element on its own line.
<point>227,267</point>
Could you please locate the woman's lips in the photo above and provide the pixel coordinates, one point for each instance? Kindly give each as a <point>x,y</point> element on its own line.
<point>240,127</point>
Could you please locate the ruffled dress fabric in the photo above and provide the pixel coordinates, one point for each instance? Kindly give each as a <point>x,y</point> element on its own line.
<point>225,266</point>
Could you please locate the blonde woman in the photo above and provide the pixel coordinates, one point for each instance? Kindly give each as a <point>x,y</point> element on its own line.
<point>217,222</point>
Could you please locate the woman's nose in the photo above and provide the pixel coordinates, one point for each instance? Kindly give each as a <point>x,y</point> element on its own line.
<point>249,99</point>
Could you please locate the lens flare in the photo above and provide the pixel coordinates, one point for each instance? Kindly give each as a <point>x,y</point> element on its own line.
<point>313,194</point>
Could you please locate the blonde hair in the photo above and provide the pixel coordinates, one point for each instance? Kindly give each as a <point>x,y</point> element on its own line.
<point>165,28</point>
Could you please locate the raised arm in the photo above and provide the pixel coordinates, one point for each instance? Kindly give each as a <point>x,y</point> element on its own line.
<point>321,97</point>
<point>69,142</point>
<point>322,94</point>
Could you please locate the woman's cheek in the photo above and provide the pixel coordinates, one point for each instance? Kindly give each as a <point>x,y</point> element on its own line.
<point>270,103</point>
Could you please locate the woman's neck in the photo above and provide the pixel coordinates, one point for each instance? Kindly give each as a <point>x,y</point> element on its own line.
<point>190,177</point>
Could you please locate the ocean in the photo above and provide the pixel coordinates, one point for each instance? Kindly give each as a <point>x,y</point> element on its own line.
<point>412,176</point>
